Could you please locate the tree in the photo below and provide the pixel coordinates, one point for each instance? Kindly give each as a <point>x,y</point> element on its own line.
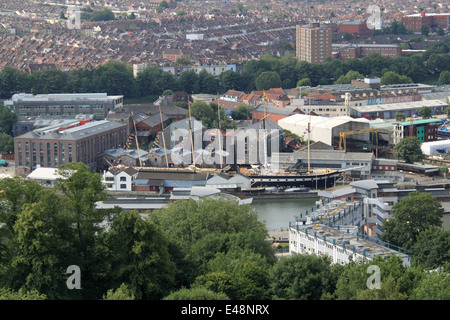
<point>391,77</point>
<point>447,112</point>
<point>400,116</point>
<point>16,193</point>
<point>304,277</point>
<point>207,82</point>
<point>181,61</point>
<point>267,80</point>
<point>188,82</point>
<point>82,189</point>
<point>139,257</point>
<point>13,81</point>
<point>197,293</point>
<point>351,75</point>
<point>434,286</point>
<point>122,293</point>
<point>42,248</point>
<point>186,222</point>
<point>8,294</point>
<point>154,81</point>
<point>104,14</point>
<point>203,112</point>
<point>305,82</point>
<point>241,112</point>
<point>424,30</point>
<point>396,280</point>
<point>432,248</point>
<point>230,80</point>
<point>411,216</point>
<point>424,112</point>
<point>444,78</point>
<point>389,290</point>
<point>115,78</point>
<point>7,119</point>
<point>49,81</point>
<point>6,143</point>
<point>409,149</point>
<point>247,273</point>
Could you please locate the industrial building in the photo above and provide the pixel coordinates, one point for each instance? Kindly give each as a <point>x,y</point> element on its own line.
<point>98,104</point>
<point>324,129</point>
<point>388,111</point>
<point>435,148</point>
<point>425,130</point>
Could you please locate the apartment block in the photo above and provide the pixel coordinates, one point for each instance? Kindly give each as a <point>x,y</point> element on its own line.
<point>51,147</point>
<point>353,51</point>
<point>313,42</point>
<point>415,22</point>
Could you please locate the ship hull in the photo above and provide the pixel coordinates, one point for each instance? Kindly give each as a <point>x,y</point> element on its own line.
<point>316,182</point>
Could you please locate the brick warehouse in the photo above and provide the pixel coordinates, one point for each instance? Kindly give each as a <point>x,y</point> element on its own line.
<point>53,146</point>
<point>415,21</point>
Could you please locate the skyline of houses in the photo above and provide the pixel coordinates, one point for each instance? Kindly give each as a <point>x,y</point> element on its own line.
<point>32,36</point>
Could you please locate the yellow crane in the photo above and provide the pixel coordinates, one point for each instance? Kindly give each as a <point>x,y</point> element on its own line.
<point>343,136</point>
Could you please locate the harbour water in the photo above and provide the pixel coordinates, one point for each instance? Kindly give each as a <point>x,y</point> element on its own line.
<point>277,213</point>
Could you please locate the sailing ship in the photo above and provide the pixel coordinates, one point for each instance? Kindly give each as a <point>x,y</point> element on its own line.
<point>261,175</point>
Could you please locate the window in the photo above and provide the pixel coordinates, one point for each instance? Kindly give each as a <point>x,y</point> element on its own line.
<point>123,178</point>
<point>123,186</point>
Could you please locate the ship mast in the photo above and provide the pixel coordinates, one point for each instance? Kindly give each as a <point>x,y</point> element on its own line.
<point>164,140</point>
<point>136,136</point>
<point>220,137</point>
<point>309,134</point>
<point>190,132</point>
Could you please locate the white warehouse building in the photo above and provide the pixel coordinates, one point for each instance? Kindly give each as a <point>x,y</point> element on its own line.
<point>430,148</point>
<point>323,129</point>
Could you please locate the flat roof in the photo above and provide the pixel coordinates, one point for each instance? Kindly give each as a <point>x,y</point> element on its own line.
<point>417,122</point>
<point>399,106</point>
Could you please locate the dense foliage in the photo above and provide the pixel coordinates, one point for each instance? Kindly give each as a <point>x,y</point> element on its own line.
<point>205,250</point>
<point>268,71</point>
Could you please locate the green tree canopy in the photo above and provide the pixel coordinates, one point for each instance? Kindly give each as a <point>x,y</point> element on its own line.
<point>400,116</point>
<point>391,77</point>
<point>203,112</point>
<point>425,112</point>
<point>115,78</point>
<point>432,248</point>
<point>433,287</point>
<point>104,14</point>
<point>267,80</point>
<point>396,280</point>
<point>139,257</point>
<point>7,119</point>
<point>444,78</point>
<point>411,216</point>
<point>197,293</point>
<point>304,82</point>
<point>304,277</point>
<point>408,149</point>
<point>347,78</point>
<point>241,112</point>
